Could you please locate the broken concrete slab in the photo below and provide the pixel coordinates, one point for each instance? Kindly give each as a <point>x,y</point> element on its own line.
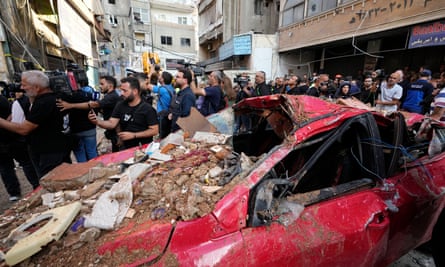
<point>68,176</point>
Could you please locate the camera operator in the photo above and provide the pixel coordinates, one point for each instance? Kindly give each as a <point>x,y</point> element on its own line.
<point>43,124</point>
<point>212,94</point>
<point>261,88</point>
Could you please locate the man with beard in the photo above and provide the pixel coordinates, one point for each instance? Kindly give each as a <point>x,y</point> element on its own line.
<point>43,125</point>
<point>137,119</point>
<point>106,105</point>
<point>184,100</point>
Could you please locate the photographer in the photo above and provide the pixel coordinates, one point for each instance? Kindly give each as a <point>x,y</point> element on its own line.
<point>245,87</point>
<point>212,94</point>
<point>43,124</point>
<point>261,88</point>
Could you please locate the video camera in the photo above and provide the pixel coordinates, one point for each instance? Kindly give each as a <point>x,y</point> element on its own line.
<point>241,80</point>
<point>64,83</point>
<point>60,82</point>
<point>10,88</point>
<point>197,70</point>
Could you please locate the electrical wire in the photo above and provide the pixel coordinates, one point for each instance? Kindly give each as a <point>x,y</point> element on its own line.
<point>19,41</point>
<point>405,152</point>
<point>353,39</point>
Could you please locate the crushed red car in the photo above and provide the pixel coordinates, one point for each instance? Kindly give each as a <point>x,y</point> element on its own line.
<point>332,186</point>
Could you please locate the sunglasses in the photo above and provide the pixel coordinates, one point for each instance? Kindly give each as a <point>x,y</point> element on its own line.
<point>323,84</point>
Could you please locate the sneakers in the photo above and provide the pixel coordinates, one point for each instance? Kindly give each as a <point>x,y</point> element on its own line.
<point>14,198</point>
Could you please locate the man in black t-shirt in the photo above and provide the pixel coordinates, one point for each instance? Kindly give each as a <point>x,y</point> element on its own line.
<point>137,120</point>
<point>43,124</point>
<point>105,105</point>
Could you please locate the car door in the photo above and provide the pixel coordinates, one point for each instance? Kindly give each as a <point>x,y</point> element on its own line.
<point>317,206</point>
<point>413,191</point>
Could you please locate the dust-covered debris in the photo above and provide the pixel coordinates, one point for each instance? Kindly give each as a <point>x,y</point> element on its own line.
<point>183,188</point>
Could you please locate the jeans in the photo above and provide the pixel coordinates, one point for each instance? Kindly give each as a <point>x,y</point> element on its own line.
<point>86,147</point>
<point>242,124</point>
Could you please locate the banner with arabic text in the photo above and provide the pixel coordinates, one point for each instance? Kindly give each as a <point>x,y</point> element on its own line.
<point>428,34</point>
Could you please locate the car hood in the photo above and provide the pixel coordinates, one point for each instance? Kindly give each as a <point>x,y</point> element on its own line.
<point>288,113</point>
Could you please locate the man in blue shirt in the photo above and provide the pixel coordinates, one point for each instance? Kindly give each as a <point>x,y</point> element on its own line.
<point>417,92</point>
<point>165,93</point>
<point>212,94</point>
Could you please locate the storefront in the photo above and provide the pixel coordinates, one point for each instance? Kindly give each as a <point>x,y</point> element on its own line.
<point>366,35</point>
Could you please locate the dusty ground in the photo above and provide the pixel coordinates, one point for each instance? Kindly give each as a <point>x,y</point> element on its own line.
<point>4,197</point>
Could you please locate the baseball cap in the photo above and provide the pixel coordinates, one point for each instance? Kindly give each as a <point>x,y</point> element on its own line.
<point>425,73</point>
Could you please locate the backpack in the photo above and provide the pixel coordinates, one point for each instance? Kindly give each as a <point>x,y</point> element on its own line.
<point>166,110</point>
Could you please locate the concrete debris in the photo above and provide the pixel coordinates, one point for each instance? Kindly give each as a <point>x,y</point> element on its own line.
<point>68,176</point>
<point>211,138</point>
<point>89,235</point>
<point>182,184</point>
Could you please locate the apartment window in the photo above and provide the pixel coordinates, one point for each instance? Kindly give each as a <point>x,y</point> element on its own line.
<point>139,38</point>
<point>166,40</point>
<point>182,20</point>
<point>293,12</point>
<point>113,20</point>
<point>141,15</point>
<point>318,6</point>
<point>258,7</point>
<point>112,2</point>
<point>185,42</point>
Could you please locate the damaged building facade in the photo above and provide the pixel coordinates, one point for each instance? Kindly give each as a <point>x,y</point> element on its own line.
<point>345,36</point>
<point>167,28</point>
<point>305,36</point>
<point>34,36</point>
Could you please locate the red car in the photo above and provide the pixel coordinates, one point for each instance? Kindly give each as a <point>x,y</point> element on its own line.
<point>339,186</point>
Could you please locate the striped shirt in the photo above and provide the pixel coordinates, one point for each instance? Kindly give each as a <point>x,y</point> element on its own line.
<point>439,101</point>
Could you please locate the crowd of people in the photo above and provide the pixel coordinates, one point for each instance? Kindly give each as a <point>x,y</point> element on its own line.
<point>401,90</point>
<point>39,130</point>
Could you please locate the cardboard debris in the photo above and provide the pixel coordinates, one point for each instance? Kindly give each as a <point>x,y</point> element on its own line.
<point>195,122</point>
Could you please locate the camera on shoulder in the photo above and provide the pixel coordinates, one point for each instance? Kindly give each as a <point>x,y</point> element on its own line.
<point>241,80</point>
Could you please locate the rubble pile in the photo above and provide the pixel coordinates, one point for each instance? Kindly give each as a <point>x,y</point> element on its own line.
<point>185,187</point>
